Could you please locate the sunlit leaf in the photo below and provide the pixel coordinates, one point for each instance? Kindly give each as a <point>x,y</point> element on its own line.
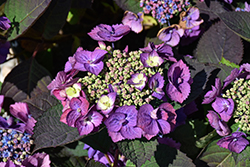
<point>138,151</point>
<point>23,13</point>
<point>238,22</point>
<point>130,5</point>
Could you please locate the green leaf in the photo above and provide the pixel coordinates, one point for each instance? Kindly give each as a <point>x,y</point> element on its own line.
<point>53,19</point>
<point>50,132</point>
<point>228,63</point>
<point>238,22</point>
<point>130,5</point>
<point>138,150</point>
<point>24,78</point>
<point>23,13</point>
<point>217,156</point>
<point>219,42</point>
<point>74,149</point>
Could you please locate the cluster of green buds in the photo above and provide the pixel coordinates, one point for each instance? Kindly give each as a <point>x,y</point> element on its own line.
<point>240,93</point>
<point>118,70</point>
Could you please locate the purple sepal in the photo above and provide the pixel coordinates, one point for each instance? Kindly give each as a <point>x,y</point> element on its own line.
<point>156,83</point>
<point>212,94</point>
<point>107,105</point>
<point>122,124</point>
<point>37,160</point>
<point>170,142</point>
<point>190,18</point>
<point>109,33</point>
<point>235,143</point>
<point>133,21</point>
<point>138,80</point>
<point>10,124</point>
<point>4,23</point>
<point>224,107</point>
<point>171,35</point>
<point>220,126</point>
<point>178,87</point>
<point>4,51</point>
<point>233,75</point>
<point>86,124</point>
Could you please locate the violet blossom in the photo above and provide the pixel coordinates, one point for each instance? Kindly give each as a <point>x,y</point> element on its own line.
<point>37,160</point>
<point>170,142</point>
<point>70,64</point>
<point>190,18</point>
<point>138,80</point>
<point>219,125</point>
<point>246,69</point>
<point>9,123</point>
<point>4,50</point>
<point>163,51</point>
<point>106,103</point>
<point>134,21</point>
<point>21,111</point>
<point>156,83</point>
<point>87,124</point>
<point>190,35</point>
<point>235,143</point>
<point>156,121</point>
<point>235,73</point>
<point>224,107</point>
<point>122,124</point>
<point>90,61</point>
<point>171,35</point>
<point>78,107</point>
<point>109,33</point>
<point>179,79</point>
<point>4,23</point>
<point>212,94</point>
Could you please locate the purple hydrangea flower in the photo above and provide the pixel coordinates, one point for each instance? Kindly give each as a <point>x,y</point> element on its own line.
<point>220,126</point>
<point>61,81</point>
<point>37,160</point>
<point>138,80</point>
<point>86,124</point>
<point>106,103</point>
<point>224,107</point>
<point>190,35</point>
<point>133,21</point>
<point>78,107</point>
<point>90,61</point>
<point>235,143</point>
<point>122,124</point>
<point>228,1</point>
<point>247,7</point>
<point>235,73</point>
<point>190,18</point>
<point>10,124</point>
<point>212,94</point>
<point>154,121</point>
<point>162,50</point>
<point>179,79</point>
<point>4,51</point>
<point>109,33</point>
<point>171,35</point>
<point>156,83</point>
<point>70,64</point>
<point>21,111</point>
<point>4,23</point>
<point>246,69</point>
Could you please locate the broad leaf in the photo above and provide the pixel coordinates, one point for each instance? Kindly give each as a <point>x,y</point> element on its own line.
<point>99,141</point>
<point>25,77</point>
<point>217,43</point>
<point>209,12</point>
<point>53,19</point>
<point>74,149</point>
<point>238,22</point>
<point>50,132</point>
<point>217,156</point>
<point>138,151</point>
<point>130,5</point>
<point>23,13</point>
<point>168,156</point>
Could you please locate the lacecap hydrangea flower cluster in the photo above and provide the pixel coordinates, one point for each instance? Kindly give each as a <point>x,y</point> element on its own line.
<point>231,102</point>
<point>120,85</point>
